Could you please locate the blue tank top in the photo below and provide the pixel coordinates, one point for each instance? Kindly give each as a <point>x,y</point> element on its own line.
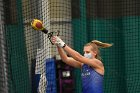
<point>92,81</point>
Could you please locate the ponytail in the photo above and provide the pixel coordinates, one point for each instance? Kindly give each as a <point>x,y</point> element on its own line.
<point>101,44</point>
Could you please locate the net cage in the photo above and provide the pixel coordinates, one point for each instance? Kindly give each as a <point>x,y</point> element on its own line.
<point>30,63</point>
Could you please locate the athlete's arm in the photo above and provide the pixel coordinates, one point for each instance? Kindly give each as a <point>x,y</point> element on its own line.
<point>68,60</point>
<point>74,54</point>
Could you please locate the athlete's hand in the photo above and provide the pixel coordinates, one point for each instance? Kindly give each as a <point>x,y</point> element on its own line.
<point>57,41</point>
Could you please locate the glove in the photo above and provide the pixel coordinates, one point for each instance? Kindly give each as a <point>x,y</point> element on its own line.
<point>57,41</point>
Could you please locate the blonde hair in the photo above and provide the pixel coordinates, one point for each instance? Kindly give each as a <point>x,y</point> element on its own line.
<point>96,45</point>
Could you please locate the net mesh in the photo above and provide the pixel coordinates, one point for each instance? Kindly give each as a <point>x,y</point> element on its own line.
<point>29,63</point>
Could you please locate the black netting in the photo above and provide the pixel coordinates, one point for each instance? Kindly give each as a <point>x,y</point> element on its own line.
<point>29,63</point>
